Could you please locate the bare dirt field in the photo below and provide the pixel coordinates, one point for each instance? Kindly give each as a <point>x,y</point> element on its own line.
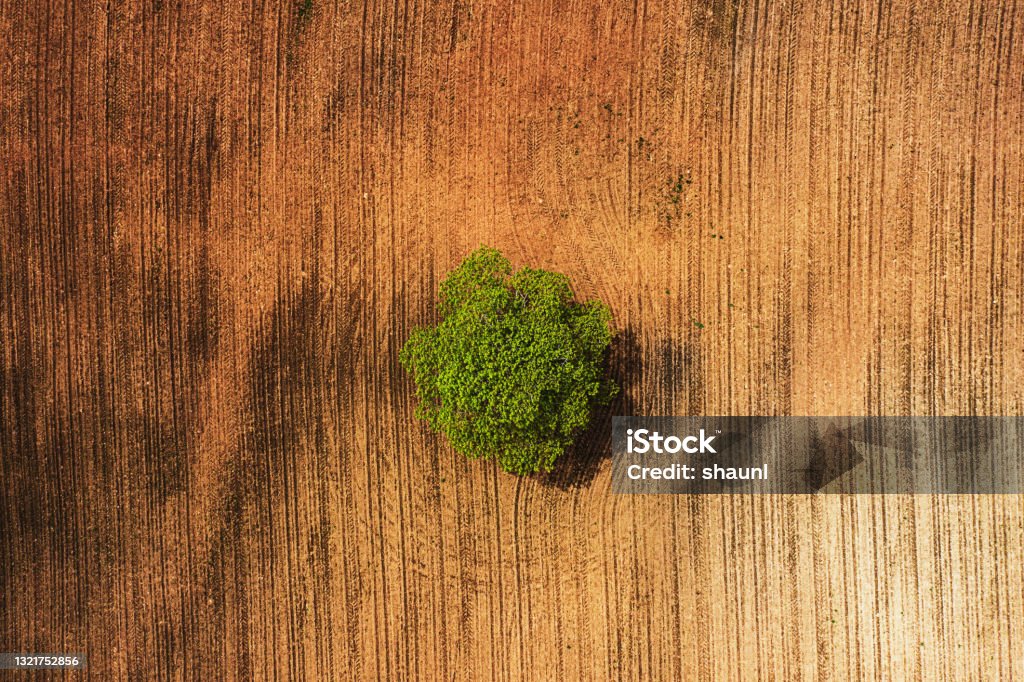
<point>219,221</point>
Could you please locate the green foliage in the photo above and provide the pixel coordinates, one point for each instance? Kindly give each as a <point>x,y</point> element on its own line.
<point>515,368</point>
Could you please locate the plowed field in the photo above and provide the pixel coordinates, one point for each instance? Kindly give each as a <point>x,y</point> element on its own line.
<point>219,221</point>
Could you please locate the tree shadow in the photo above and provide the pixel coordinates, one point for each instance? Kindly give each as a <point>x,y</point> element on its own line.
<point>580,464</point>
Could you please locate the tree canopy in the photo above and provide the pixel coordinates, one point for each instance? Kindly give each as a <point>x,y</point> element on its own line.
<point>515,368</point>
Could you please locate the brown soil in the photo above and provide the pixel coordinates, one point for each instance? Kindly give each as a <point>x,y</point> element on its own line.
<point>219,221</point>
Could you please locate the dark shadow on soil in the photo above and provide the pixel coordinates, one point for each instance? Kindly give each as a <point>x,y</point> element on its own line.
<point>580,464</point>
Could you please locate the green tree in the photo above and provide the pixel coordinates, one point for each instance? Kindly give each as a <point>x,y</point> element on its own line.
<point>515,367</point>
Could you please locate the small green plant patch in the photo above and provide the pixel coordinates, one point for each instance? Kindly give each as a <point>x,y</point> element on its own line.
<point>516,366</point>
